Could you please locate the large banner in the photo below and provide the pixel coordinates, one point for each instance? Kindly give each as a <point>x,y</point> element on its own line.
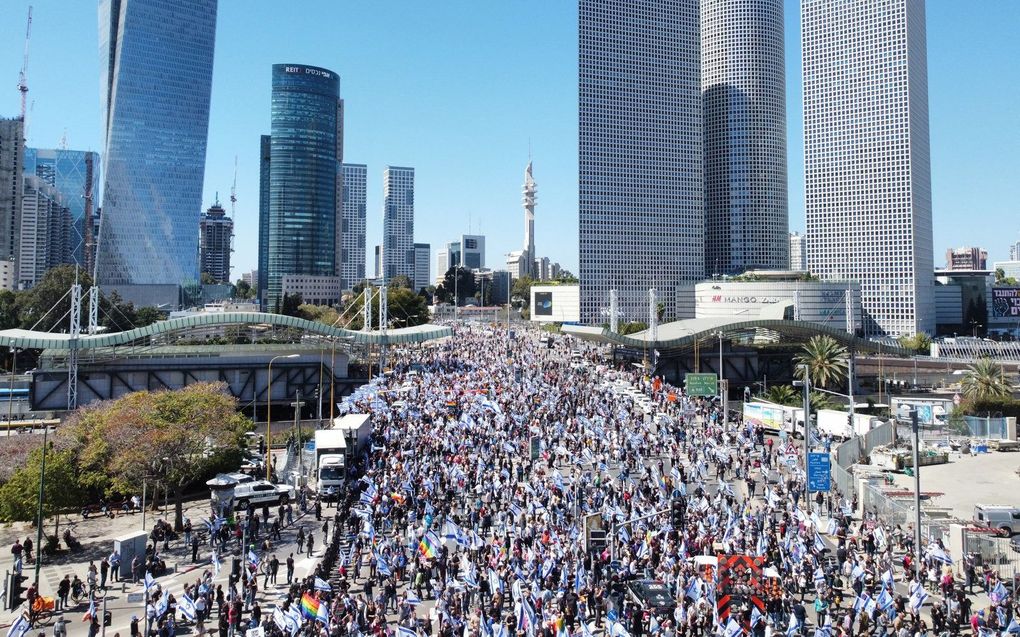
<point>1006,302</point>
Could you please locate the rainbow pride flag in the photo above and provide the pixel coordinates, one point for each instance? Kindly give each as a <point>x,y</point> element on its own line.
<point>309,606</point>
<point>429,546</point>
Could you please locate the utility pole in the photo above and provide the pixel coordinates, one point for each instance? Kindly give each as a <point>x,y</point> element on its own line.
<point>917,496</point>
<point>297,405</point>
<point>806,384</point>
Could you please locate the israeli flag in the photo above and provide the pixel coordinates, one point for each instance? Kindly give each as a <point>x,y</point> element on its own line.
<point>861,602</point>
<point>819,574</point>
<point>732,628</point>
<point>857,572</point>
<point>819,543</point>
<point>794,626</point>
<point>756,616</point>
<point>694,589</point>
<point>149,581</point>
<point>322,585</point>
<point>412,599</point>
<point>1013,628</point>
<point>162,605</point>
<point>999,593</point>
<point>885,600</point>
<point>403,631</point>
<point>19,627</point>
<point>187,607</point>
<point>383,567</point>
<point>917,598</point>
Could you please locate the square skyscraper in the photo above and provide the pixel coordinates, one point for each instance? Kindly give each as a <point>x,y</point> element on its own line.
<point>640,158</point>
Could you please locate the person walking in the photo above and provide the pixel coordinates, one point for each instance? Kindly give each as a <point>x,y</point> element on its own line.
<point>290,569</point>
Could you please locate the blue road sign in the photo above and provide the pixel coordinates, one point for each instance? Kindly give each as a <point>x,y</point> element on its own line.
<point>818,471</point>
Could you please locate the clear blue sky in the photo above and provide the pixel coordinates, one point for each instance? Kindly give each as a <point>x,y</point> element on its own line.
<point>458,88</point>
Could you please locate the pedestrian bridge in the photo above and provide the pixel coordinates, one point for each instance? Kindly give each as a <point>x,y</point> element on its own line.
<point>45,340</point>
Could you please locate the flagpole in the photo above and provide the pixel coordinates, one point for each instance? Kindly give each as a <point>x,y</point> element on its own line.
<point>103,619</point>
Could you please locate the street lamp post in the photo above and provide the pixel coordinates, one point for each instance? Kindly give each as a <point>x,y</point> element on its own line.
<point>806,383</point>
<point>39,526</point>
<point>269,400</point>
<point>10,394</point>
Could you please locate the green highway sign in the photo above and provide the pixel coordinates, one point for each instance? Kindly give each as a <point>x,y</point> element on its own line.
<point>701,385</point>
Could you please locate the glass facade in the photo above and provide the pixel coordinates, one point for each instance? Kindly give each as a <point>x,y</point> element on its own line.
<point>304,164</point>
<point>265,155</point>
<point>398,222</point>
<point>352,251</point>
<point>157,59</point>
<point>74,174</point>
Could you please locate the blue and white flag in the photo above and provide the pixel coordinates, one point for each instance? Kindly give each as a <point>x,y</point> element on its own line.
<point>756,616</point>
<point>411,599</point>
<point>1012,629</point>
<point>819,574</point>
<point>937,553</point>
<point>917,598</point>
<point>819,543</point>
<point>857,572</point>
<point>187,607</point>
<point>162,605</point>
<point>322,585</point>
<point>404,631</point>
<point>861,602</point>
<point>794,626</point>
<point>885,600</point>
<point>19,627</point>
<point>998,593</point>
<point>732,628</point>
<point>694,589</point>
<point>383,567</point>
<point>149,581</point>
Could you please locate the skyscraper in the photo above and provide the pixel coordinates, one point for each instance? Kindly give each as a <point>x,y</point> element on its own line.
<point>352,216</point>
<point>216,232</point>
<point>421,265</point>
<point>157,62</point>
<point>304,162</point>
<point>45,231</point>
<point>530,191</point>
<point>866,164</point>
<point>798,251</point>
<point>744,93</point>
<point>12,163</point>
<point>641,187</point>
<point>75,175</point>
<point>265,157</point>
<point>398,222</point>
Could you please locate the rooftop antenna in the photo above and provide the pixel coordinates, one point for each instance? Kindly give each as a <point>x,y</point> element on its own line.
<point>23,75</point>
<point>233,194</point>
<point>63,141</point>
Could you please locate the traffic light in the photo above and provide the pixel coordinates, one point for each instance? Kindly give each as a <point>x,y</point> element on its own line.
<point>16,590</point>
<point>107,618</point>
<point>676,514</point>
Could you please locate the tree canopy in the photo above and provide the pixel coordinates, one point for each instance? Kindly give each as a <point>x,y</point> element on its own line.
<point>826,360</point>
<point>985,379</point>
<point>457,280</point>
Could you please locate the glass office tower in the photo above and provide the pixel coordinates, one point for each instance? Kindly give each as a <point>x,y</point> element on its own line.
<point>74,173</point>
<point>304,160</point>
<point>157,62</point>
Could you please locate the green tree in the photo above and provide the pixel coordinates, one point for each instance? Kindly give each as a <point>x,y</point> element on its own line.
<point>457,280</point>
<point>522,290</point>
<point>985,379</point>
<point>148,315</point>
<point>821,400</point>
<point>784,395</point>
<point>9,310</point>
<point>919,342</point>
<point>243,290</point>
<point>207,279</point>
<point>46,306</point>
<point>826,360</point>
<point>406,308</point>
<point>632,327</point>
<point>291,305</point>
<point>566,276</point>
<point>173,437</point>
<point>19,496</point>
<point>400,281</point>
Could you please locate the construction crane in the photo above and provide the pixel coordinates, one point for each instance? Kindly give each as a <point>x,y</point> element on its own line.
<point>23,76</point>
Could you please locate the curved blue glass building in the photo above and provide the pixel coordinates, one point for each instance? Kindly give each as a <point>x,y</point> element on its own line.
<point>305,151</point>
<point>157,58</point>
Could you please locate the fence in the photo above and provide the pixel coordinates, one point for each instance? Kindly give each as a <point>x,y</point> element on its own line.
<point>986,427</point>
<point>854,450</point>
<point>996,552</point>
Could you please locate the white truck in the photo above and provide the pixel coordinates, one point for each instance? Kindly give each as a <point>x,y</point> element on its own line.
<point>336,447</point>
<point>357,430</point>
<point>837,424</point>
<point>330,460</point>
<point>767,416</point>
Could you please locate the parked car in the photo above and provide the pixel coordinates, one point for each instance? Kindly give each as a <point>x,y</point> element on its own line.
<point>1003,517</point>
<point>261,492</point>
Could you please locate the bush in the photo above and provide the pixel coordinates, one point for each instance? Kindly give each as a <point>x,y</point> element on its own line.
<point>984,406</point>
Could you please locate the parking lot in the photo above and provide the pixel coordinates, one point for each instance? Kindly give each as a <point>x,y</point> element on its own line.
<point>988,478</point>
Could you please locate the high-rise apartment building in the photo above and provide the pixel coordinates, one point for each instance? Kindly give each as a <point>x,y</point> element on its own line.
<point>1014,251</point>
<point>966,258</point>
<point>75,175</point>
<point>304,163</point>
<point>743,87</point>
<point>641,186</point>
<point>157,60</point>
<point>12,164</point>
<point>216,243</point>
<point>443,263</point>
<point>798,251</point>
<point>866,164</point>
<point>45,231</point>
<point>377,260</point>
<point>398,222</point>
<point>352,222</point>
<point>422,252</point>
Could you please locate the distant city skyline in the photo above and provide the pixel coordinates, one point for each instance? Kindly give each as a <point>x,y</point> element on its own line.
<point>468,135</point>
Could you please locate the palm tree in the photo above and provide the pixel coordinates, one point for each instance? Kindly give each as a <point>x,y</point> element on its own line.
<point>783,395</point>
<point>985,379</point>
<point>826,360</point>
<point>824,401</point>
